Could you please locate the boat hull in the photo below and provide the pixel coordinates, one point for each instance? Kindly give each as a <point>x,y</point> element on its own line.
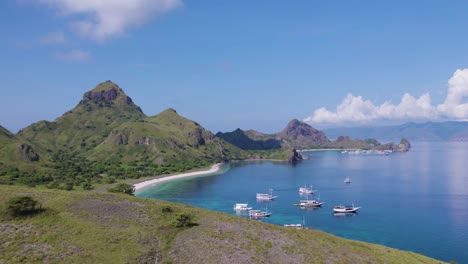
<point>340,209</point>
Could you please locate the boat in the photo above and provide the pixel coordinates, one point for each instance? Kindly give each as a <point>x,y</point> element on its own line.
<point>347,180</point>
<point>242,207</point>
<point>340,215</point>
<point>345,209</point>
<point>306,190</point>
<point>297,226</point>
<point>266,196</point>
<point>258,214</point>
<point>310,203</point>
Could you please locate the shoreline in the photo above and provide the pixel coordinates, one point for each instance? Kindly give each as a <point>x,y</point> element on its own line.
<point>141,185</point>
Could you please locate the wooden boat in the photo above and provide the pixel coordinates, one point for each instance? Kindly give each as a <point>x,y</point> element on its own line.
<point>345,209</point>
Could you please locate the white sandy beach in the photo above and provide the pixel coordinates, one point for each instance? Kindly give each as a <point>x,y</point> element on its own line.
<point>141,185</point>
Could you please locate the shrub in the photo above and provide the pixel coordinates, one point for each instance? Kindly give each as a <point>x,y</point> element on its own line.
<point>123,188</point>
<point>166,209</point>
<point>184,220</point>
<point>22,205</point>
<point>87,186</point>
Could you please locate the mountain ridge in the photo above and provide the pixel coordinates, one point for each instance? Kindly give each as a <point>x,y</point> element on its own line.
<point>295,135</point>
<point>428,131</point>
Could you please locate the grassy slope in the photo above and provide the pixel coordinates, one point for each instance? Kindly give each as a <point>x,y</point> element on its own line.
<point>169,136</point>
<point>91,227</point>
<point>9,153</point>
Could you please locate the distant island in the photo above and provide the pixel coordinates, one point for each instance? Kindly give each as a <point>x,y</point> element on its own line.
<point>428,131</point>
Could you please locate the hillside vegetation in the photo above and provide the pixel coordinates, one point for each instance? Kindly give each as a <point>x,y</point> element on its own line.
<point>106,137</point>
<point>92,227</point>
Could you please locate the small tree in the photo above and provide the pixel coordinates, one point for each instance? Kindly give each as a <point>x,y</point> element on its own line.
<point>166,209</point>
<point>184,220</point>
<point>87,186</point>
<point>21,205</point>
<point>123,188</point>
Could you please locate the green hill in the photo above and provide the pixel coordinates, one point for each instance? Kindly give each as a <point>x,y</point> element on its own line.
<point>104,138</point>
<point>16,151</point>
<point>91,227</point>
<point>86,125</point>
<point>165,138</point>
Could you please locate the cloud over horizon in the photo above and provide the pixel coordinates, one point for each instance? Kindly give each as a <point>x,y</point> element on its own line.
<point>104,19</point>
<point>356,110</point>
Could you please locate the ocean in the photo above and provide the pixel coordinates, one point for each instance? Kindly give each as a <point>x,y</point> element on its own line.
<point>415,201</point>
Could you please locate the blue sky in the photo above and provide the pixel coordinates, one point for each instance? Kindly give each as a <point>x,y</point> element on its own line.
<point>239,64</point>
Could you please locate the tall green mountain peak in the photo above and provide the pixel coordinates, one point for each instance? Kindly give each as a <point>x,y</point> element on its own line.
<point>106,94</point>
<point>88,124</point>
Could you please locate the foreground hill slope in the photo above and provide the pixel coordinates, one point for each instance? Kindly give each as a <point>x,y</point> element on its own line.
<point>91,227</point>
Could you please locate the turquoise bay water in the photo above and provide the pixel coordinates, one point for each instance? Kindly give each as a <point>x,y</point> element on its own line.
<point>416,201</point>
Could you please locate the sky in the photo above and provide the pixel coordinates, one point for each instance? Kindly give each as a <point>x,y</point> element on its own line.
<point>239,64</point>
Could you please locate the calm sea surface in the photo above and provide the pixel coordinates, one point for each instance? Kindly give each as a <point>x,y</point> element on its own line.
<point>416,201</point>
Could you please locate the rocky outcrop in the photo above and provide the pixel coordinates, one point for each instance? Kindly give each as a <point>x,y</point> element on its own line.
<point>106,94</point>
<point>28,153</point>
<point>118,138</point>
<point>294,157</point>
<point>404,146</point>
<point>145,141</point>
<point>195,138</point>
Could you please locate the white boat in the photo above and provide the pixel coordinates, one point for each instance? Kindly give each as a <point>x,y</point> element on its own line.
<point>345,209</point>
<point>310,203</point>
<point>266,196</point>
<point>306,190</point>
<point>258,214</point>
<point>242,207</point>
<point>347,180</point>
<point>295,226</point>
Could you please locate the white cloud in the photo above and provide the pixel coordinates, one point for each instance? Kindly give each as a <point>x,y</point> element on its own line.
<point>74,55</point>
<point>56,37</point>
<point>354,109</point>
<point>103,19</point>
<point>453,106</point>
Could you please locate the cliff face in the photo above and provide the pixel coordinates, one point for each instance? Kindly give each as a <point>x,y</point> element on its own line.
<point>28,153</point>
<point>403,146</point>
<point>294,157</point>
